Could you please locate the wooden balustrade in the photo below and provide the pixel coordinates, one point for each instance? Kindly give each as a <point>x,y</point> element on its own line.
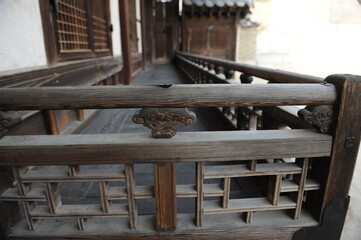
<point>268,183</point>
<point>284,116</point>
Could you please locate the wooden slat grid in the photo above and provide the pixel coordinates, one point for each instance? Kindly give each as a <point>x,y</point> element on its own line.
<point>72,25</point>
<point>283,193</point>
<point>52,178</point>
<point>100,33</point>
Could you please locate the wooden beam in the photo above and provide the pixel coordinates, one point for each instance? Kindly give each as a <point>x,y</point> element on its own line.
<point>125,41</point>
<point>184,147</point>
<point>205,95</point>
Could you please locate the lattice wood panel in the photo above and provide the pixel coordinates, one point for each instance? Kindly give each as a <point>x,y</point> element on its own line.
<point>38,190</point>
<point>287,185</point>
<point>72,26</point>
<point>44,201</point>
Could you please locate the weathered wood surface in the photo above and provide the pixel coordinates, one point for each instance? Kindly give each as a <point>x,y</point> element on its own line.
<point>215,227</point>
<point>272,75</point>
<point>75,73</point>
<point>187,146</point>
<point>169,96</point>
<point>248,204</point>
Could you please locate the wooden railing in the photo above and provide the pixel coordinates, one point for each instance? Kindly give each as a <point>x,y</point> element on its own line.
<point>335,173</point>
<point>279,180</point>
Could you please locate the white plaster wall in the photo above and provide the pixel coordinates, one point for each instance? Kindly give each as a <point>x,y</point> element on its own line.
<point>114,16</point>
<point>316,37</point>
<point>139,26</point>
<point>21,35</point>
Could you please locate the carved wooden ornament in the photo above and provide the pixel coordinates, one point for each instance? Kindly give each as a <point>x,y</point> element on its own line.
<point>164,122</point>
<point>319,116</point>
<point>7,120</point>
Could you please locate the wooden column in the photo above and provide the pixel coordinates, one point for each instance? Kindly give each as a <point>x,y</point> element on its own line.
<point>125,41</point>
<point>51,122</point>
<point>143,25</point>
<point>336,172</point>
<point>165,196</point>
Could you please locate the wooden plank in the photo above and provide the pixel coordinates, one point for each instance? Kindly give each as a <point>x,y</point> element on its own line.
<point>186,191</point>
<point>248,205</point>
<point>216,227</point>
<point>274,189</point>
<point>226,192</point>
<point>190,190</point>
<point>53,197</point>
<point>291,186</point>
<point>165,196</point>
<point>61,175</point>
<point>137,148</point>
<point>140,192</point>
<point>189,95</point>
<point>200,192</point>
<point>130,181</point>
<point>301,180</point>
<point>103,188</point>
<point>92,210</point>
<point>35,194</point>
<point>241,170</point>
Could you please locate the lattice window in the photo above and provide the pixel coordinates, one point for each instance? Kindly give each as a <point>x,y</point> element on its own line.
<point>72,26</point>
<point>76,29</point>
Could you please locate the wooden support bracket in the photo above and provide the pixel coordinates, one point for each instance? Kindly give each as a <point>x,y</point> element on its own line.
<point>164,122</point>
<point>7,120</point>
<point>319,116</point>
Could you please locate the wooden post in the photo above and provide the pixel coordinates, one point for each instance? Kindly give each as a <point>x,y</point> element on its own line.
<point>336,171</point>
<point>165,196</point>
<point>51,122</point>
<point>125,41</point>
<point>143,26</point>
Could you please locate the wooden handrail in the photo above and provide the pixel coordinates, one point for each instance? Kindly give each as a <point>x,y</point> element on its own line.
<point>165,96</point>
<point>272,75</point>
<point>142,148</point>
